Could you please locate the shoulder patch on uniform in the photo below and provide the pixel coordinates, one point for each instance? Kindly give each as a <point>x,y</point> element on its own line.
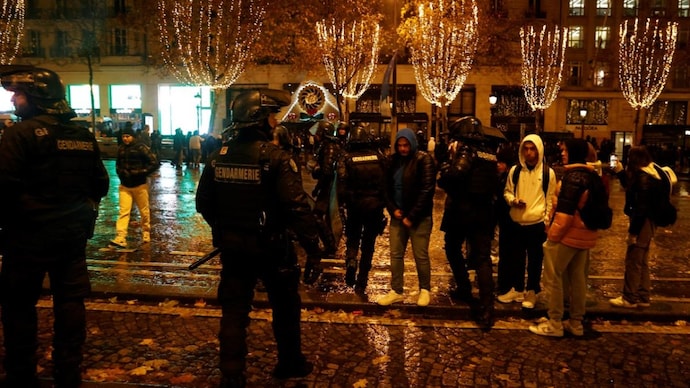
<point>41,132</point>
<point>223,150</point>
<point>293,165</point>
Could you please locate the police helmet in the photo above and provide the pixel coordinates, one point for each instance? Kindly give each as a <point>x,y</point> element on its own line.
<point>359,135</point>
<point>283,136</point>
<point>252,107</point>
<point>324,129</point>
<point>466,128</point>
<point>43,87</point>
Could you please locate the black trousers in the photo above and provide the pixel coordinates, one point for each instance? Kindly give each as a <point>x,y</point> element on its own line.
<point>361,231</point>
<point>21,283</point>
<point>280,276</point>
<point>478,237</point>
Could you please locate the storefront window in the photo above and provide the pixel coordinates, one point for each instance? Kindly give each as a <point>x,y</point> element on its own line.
<point>79,97</point>
<point>6,105</point>
<point>184,107</point>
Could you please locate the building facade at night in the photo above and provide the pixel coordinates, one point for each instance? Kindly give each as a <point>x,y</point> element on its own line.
<point>129,87</point>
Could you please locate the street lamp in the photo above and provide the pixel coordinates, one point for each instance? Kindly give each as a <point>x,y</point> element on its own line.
<point>493,99</point>
<point>583,114</point>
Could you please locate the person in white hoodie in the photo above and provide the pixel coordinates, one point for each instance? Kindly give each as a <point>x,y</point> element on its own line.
<point>530,202</point>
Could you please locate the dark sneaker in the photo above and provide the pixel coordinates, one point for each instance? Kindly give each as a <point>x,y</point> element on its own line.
<point>285,371</point>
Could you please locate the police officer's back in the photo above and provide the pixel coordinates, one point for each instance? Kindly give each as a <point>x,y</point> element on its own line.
<point>251,194</point>
<point>470,179</point>
<point>52,179</point>
<point>361,177</point>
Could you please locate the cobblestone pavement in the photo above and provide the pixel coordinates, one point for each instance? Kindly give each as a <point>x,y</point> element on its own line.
<point>172,346</point>
<point>180,236</point>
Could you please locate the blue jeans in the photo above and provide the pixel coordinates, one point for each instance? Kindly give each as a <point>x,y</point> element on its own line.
<point>419,236</point>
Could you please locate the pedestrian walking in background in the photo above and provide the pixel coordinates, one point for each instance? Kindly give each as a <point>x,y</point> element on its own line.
<point>566,251</point>
<point>52,180</point>
<point>135,162</point>
<point>529,191</point>
<point>251,195</point>
<point>156,144</point>
<point>195,149</point>
<point>361,171</point>
<point>646,186</point>
<point>179,148</point>
<point>145,136</point>
<point>410,186</point>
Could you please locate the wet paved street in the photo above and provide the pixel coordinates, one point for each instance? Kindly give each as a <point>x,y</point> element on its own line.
<point>153,322</point>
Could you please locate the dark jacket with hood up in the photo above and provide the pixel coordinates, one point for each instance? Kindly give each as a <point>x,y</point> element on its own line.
<point>418,181</point>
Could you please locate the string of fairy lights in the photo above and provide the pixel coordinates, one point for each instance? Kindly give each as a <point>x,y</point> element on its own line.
<point>645,55</point>
<point>11,29</point>
<point>208,42</point>
<point>349,52</point>
<point>543,54</point>
<point>444,40</point>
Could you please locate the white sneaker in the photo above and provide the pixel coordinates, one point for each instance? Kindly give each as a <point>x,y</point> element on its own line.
<point>511,296</point>
<point>530,300</point>
<point>424,298</point>
<point>390,298</point>
<point>621,302</point>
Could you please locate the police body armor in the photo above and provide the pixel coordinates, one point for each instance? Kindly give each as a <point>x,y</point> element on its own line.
<point>364,172</point>
<point>64,164</point>
<point>243,205</point>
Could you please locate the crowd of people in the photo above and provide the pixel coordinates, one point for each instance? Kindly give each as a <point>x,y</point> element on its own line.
<point>251,194</point>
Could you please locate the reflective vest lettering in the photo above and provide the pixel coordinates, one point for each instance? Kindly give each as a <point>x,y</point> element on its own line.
<point>238,173</point>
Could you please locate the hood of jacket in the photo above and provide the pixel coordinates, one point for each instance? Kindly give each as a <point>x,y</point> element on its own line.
<point>540,148</point>
<point>408,134</point>
<point>651,171</point>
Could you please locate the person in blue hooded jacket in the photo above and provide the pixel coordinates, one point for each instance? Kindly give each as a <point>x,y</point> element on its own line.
<point>410,184</point>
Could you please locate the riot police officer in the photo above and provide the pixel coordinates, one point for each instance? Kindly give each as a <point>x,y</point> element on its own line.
<point>361,173</point>
<point>470,178</point>
<point>52,180</point>
<point>326,156</point>
<point>250,193</point>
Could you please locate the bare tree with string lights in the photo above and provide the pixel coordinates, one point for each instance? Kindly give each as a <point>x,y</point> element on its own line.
<point>645,57</point>
<point>349,51</point>
<point>543,54</point>
<point>208,42</point>
<point>11,29</point>
<point>442,37</point>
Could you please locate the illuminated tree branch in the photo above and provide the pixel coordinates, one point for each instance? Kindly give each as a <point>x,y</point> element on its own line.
<point>543,54</point>
<point>350,52</point>
<point>645,56</point>
<point>11,29</point>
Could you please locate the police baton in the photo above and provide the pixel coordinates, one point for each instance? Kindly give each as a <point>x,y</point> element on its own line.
<point>204,259</point>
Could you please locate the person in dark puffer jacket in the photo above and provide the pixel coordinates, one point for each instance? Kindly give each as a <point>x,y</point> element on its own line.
<point>135,162</point>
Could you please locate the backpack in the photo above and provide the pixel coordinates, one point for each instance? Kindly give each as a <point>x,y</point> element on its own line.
<point>596,213</point>
<point>544,181</point>
<point>663,212</point>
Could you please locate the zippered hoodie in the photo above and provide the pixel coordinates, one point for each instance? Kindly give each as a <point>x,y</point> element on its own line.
<point>530,188</point>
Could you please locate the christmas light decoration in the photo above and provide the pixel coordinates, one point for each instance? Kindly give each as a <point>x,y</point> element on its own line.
<point>349,52</point>
<point>443,40</point>
<point>11,29</point>
<point>543,53</point>
<point>645,55</point>
<point>208,42</point>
